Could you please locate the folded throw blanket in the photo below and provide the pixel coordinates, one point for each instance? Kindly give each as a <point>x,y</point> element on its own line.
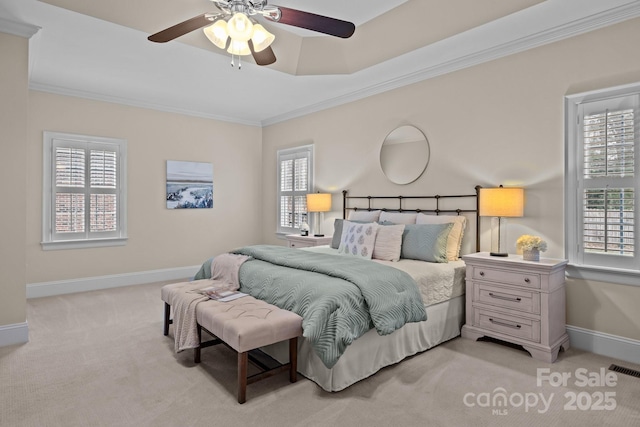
<point>224,270</point>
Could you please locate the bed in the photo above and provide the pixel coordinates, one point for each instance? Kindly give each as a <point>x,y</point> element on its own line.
<point>440,284</point>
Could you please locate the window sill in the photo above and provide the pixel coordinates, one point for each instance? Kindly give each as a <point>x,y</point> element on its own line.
<point>82,244</point>
<point>604,274</point>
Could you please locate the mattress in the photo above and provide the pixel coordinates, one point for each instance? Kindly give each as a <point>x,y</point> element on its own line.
<point>437,282</point>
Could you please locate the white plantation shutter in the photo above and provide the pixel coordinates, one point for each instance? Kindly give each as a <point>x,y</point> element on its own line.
<point>609,170</point>
<point>294,182</point>
<point>104,184</point>
<point>84,199</point>
<point>69,197</point>
<point>606,169</point>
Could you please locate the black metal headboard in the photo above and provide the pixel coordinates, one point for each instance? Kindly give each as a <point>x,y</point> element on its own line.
<point>433,208</point>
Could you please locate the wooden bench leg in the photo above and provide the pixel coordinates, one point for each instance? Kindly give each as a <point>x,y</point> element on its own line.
<point>167,314</point>
<point>293,359</point>
<point>242,376</point>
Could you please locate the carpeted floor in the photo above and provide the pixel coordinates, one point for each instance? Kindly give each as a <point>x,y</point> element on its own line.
<point>100,359</point>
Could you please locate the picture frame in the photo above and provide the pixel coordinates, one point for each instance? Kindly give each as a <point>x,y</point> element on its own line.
<point>189,185</point>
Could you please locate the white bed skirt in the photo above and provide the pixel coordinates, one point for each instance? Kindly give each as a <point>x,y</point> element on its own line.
<point>372,352</point>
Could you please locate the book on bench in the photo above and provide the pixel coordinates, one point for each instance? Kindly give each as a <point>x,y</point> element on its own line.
<point>222,295</point>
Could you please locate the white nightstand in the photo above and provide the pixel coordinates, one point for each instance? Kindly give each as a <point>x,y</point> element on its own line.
<point>522,302</point>
<point>298,241</point>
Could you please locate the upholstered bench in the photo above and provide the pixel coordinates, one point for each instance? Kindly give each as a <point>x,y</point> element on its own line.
<point>245,324</point>
<point>171,292</point>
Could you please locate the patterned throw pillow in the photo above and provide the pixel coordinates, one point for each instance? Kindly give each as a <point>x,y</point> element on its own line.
<point>358,239</point>
<point>337,231</point>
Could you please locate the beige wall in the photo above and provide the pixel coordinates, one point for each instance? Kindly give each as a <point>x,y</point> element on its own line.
<point>159,238</point>
<point>500,122</point>
<point>13,128</point>
<point>496,123</point>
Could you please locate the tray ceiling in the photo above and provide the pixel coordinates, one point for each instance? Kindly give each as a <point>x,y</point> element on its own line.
<point>98,49</point>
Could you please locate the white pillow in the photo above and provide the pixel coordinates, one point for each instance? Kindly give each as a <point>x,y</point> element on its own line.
<point>358,239</point>
<point>388,242</point>
<point>454,241</point>
<point>398,217</point>
<point>364,215</point>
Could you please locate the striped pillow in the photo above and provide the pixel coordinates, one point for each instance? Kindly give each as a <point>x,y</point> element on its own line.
<point>388,243</point>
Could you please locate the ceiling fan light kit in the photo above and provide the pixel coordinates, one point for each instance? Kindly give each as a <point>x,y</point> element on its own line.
<point>235,30</point>
<point>261,38</point>
<point>217,33</point>
<point>239,27</point>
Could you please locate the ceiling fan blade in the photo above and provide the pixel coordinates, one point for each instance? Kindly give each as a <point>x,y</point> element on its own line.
<point>183,28</point>
<point>264,57</point>
<point>313,22</point>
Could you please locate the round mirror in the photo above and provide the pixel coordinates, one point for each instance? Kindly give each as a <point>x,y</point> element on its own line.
<point>404,155</point>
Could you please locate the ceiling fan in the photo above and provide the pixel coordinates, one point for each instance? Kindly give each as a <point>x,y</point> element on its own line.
<point>233,27</point>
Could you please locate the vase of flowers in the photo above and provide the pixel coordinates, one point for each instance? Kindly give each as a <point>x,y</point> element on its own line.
<point>531,246</point>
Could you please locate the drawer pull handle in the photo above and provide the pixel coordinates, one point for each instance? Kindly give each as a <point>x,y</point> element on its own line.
<point>492,295</point>
<point>482,273</point>
<point>526,280</point>
<point>508,325</point>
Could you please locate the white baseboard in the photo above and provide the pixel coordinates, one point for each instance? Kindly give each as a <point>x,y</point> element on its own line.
<point>47,289</point>
<point>17,333</point>
<point>604,344</point>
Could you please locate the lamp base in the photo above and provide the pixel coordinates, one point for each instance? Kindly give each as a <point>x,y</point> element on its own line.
<point>502,254</point>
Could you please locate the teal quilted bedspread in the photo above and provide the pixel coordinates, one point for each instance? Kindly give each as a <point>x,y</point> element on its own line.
<point>339,297</point>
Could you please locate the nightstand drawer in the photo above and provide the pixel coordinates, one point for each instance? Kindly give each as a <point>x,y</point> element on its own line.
<point>298,241</point>
<point>515,299</point>
<point>520,327</point>
<point>507,277</point>
<point>300,244</point>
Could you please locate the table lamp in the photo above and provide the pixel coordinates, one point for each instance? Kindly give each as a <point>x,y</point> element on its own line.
<point>500,203</point>
<point>319,203</point>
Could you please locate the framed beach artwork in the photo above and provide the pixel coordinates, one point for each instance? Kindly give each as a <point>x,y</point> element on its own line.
<point>189,185</point>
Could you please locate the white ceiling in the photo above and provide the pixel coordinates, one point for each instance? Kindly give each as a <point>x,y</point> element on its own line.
<point>77,54</point>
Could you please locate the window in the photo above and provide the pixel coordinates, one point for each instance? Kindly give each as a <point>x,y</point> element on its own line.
<point>84,200</point>
<point>603,134</point>
<point>295,172</point>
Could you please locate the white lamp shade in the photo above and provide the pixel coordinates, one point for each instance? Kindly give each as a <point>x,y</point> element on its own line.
<point>217,33</point>
<point>239,48</point>
<point>502,202</point>
<point>240,27</point>
<point>261,38</point>
<point>319,202</point>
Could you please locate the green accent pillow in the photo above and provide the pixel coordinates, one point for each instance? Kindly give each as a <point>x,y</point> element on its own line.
<point>425,242</point>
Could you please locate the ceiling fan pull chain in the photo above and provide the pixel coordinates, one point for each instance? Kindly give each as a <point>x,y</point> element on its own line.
<point>233,64</point>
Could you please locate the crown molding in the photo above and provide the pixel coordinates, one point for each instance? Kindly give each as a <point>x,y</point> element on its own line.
<point>570,29</point>
<point>58,90</point>
<point>17,28</point>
